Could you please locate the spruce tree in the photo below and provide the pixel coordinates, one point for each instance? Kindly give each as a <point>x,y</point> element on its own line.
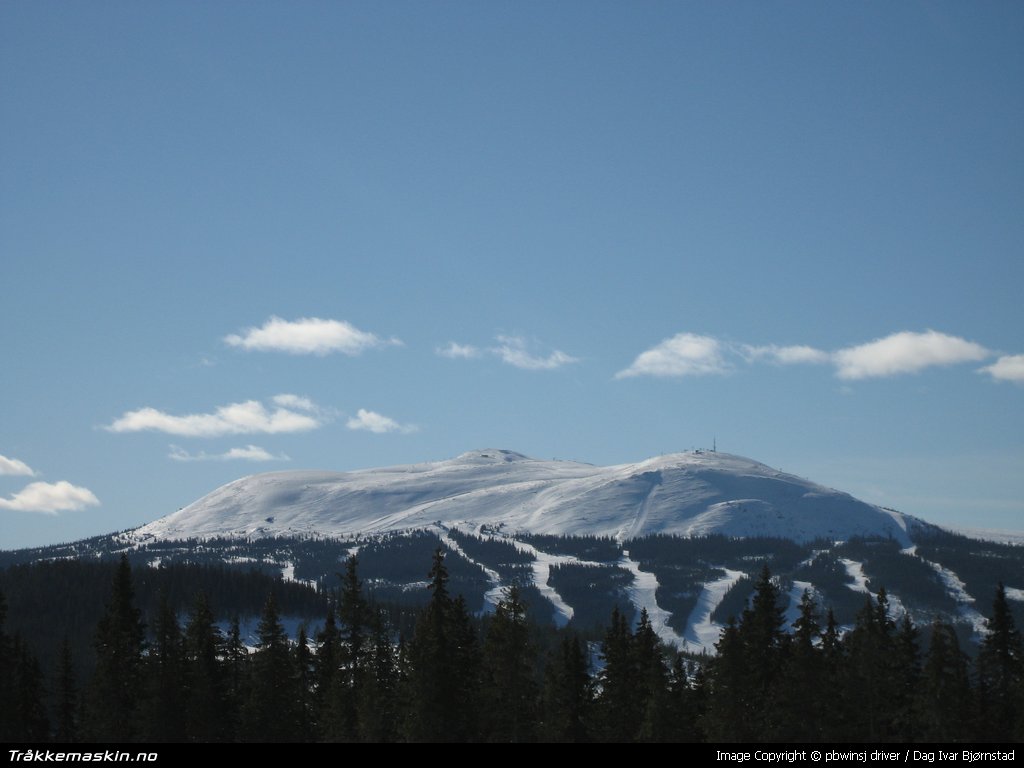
<point>906,672</point>
<point>443,676</point>
<point>652,694</point>
<point>271,712</point>
<point>8,713</point>
<point>568,693</point>
<point>115,692</point>
<point>237,665</point>
<point>327,671</point>
<point>31,723</point>
<point>164,708</point>
<point>803,697</point>
<point>728,718</point>
<point>377,705</point>
<point>509,660</point>
<point>764,648</point>
<point>466,683</point>
<point>700,695</point>
<point>680,709</point>
<point>617,713</point>
<point>833,718</point>
<point>66,697</point>
<point>306,725</point>
<point>206,714</point>
<point>945,694</point>
<point>1001,675</point>
<point>353,613</point>
<point>868,681</point>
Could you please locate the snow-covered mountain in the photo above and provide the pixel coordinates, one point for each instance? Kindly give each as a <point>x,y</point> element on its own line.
<point>687,494</point>
<point>502,518</point>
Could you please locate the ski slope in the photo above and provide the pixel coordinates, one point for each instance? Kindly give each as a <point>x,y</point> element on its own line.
<point>701,632</point>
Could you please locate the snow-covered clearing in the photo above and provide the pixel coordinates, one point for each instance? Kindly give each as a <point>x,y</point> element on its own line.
<point>855,571</point>
<point>493,595</point>
<point>796,593</point>
<point>701,633</point>
<point>958,591</point>
<point>541,572</point>
<point>642,592</point>
<point>288,574</point>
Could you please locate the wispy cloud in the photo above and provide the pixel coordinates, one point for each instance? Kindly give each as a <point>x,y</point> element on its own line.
<point>785,355</point>
<point>685,354</point>
<point>249,417</point>
<point>307,336</point>
<point>248,453</point>
<point>15,467</point>
<point>457,351</point>
<point>905,352</point>
<point>1006,368</point>
<point>371,421</point>
<point>295,401</point>
<point>50,498</point>
<point>514,351</point>
<point>688,354</point>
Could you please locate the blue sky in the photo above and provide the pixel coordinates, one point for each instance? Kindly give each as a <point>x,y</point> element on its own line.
<point>244,237</point>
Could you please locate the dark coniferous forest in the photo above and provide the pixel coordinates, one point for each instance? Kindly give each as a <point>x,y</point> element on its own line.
<point>370,673</point>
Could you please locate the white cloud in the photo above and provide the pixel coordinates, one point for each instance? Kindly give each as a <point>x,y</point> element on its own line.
<point>307,336</point>
<point>295,401</point>
<point>905,352</point>
<point>1006,368</point>
<point>786,355</point>
<point>15,467</point>
<point>512,350</point>
<point>250,417</point>
<point>50,498</point>
<point>458,351</point>
<point>688,354</point>
<point>685,354</point>
<point>371,421</point>
<point>248,453</point>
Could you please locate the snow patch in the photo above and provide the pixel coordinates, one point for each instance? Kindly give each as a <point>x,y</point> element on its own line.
<point>642,593</point>
<point>541,568</point>
<point>796,594</point>
<point>494,593</point>
<point>701,632</point>
<point>855,571</point>
<point>288,574</point>
<point>958,591</point>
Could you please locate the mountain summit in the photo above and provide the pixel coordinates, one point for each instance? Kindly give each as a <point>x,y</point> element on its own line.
<point>581,540</point>
<point>687,494</point>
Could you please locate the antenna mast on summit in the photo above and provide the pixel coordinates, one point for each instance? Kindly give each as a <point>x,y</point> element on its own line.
<point>714,445</point>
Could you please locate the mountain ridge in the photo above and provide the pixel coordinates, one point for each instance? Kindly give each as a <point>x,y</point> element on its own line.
<point>687,494</point>
<point>681,536</point>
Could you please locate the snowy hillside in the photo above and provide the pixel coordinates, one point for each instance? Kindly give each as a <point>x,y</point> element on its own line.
<point>580,540</point>
<point>686,494</point>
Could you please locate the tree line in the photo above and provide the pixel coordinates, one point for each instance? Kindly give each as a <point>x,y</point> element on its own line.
<point>458,678</point>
